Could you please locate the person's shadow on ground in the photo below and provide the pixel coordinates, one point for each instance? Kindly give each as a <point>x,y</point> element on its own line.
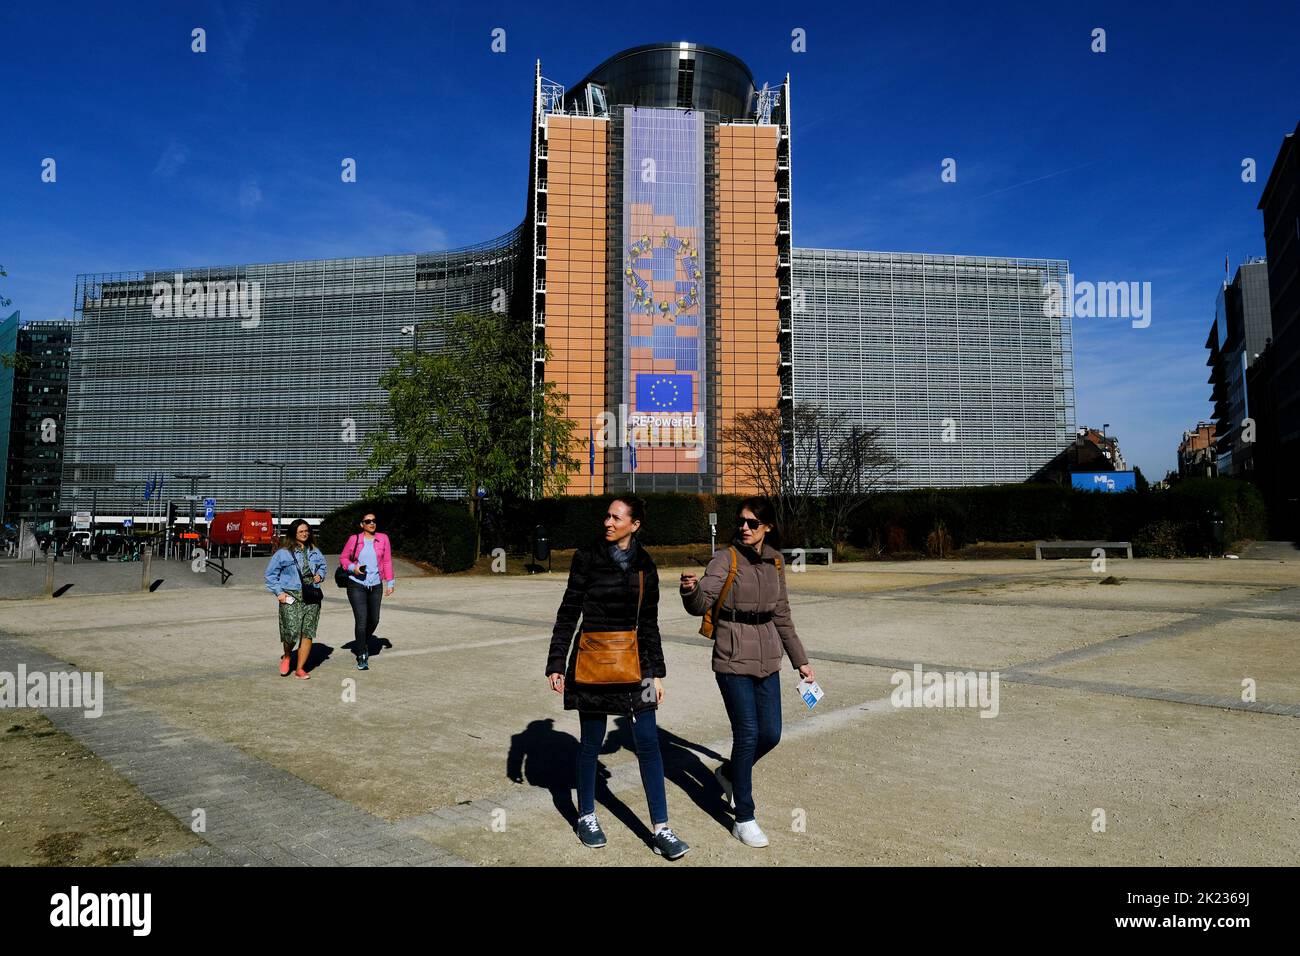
<point>544,757</point>
<point>317,656</point>
<point>374,646</point>
<point>685,770</point>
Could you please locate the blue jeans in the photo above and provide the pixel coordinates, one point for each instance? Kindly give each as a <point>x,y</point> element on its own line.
<point>754,708</point>
<point>645,735</point>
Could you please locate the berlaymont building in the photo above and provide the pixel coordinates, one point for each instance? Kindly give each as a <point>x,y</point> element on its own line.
<point>656,259</point>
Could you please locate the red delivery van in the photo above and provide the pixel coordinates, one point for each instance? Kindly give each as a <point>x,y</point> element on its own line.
<point>241,528</point>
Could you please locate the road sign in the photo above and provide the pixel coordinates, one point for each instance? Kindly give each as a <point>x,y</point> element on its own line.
<point>209,509</point>
<point>127,522</point>
<point>193,497</point>
<point>482,492</point>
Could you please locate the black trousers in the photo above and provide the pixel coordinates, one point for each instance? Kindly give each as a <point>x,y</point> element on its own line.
<point>365,614</point>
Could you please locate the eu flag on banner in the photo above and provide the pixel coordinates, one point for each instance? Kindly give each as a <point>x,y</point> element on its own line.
<point>148,488</point>
<point>591,453</point>
<point>633,447</point>
<point>664,393</point>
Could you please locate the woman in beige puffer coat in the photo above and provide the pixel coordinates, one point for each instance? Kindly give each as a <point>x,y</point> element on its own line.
<point>751,630</point>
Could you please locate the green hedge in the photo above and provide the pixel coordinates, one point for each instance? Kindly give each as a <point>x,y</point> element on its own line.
<point>1159,523</point>
<point>1177,520</point>
<point>438,532</point>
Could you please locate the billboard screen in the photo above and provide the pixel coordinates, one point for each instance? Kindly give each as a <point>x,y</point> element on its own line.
<point>1103,481</point>
<point>663,291</point>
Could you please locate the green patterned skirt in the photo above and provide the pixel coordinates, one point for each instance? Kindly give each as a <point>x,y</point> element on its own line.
<point>298,619</point>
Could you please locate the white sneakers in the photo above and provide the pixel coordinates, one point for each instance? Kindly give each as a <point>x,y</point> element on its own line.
<point>749,833</point>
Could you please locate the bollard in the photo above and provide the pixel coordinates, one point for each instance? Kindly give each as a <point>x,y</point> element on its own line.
<point>146,559</point>
<point>49,574</point>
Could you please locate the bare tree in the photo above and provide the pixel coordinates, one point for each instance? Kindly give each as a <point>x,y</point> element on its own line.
<point>818,473</point>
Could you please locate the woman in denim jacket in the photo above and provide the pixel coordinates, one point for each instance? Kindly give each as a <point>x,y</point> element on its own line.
<point>298,559</point>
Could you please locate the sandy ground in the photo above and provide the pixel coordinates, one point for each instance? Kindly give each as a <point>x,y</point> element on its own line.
<point>456,706</point>
<point>61,805</point>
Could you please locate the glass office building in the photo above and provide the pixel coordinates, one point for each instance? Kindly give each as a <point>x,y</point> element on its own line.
<point>276,362</point>
<point>37,421</point>
<point>954,358</point>
<point>654,260</point>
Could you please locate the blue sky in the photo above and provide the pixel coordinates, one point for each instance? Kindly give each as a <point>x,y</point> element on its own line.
<point>1127,163</point>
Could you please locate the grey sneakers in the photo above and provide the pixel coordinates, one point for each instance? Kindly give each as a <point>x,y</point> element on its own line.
<point>749,833</point>
<point>668,845</point>
<point>589,832</point>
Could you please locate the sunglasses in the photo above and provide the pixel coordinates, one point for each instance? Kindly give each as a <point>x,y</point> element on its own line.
<point>368,521</point>
<point>753,524</point>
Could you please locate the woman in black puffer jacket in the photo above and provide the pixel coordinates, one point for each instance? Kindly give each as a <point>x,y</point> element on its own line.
<point>614,586</point>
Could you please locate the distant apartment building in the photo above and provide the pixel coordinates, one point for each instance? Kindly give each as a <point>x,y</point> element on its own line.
<point>1241,330</point>
<point>1280,204</point>
<point>1196,452</point>
<point>34,459</point>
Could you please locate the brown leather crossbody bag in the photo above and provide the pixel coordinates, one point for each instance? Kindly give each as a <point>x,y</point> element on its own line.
<point>611,657</point>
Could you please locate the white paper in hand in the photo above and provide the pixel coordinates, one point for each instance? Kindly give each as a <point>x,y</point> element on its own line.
<point>810,691</point>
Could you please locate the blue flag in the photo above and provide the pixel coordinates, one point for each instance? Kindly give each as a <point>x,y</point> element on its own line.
<point>555,456</point>
<point>148,488</point>
<point>664,393</point>
<point>632,447</point>
<point>160,484</point>
<point>819,451</point>
<point>591,452</point>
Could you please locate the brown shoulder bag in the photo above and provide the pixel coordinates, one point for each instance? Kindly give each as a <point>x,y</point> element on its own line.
<point>611,657</point>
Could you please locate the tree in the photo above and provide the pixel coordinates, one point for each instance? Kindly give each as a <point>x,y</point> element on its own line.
<point>818,475</point>
<point>466,416</point>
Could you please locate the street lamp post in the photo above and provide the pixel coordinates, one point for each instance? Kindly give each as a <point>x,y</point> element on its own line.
<point>193,496</point>
<point>279,508</point>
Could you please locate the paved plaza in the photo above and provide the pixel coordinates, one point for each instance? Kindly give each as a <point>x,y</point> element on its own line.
<point>1124,697</point>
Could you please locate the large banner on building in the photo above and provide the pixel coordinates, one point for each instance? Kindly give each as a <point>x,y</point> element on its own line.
<point>663,291</point>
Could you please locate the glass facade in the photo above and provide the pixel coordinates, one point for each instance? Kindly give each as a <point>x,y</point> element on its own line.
<point>667,75</point>
<point>36,425</point>
<point>954,358</point>
<point>283,368</point>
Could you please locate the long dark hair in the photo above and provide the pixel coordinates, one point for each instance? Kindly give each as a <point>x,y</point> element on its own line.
<point>764,511</point>
<point>290,540</point>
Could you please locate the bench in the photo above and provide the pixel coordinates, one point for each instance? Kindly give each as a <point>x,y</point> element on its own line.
<point>1041,546</point>
<point>807,551</point>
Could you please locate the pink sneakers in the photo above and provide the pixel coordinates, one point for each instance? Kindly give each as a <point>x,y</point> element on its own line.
<point>301,674</point>
<point>284,666</point>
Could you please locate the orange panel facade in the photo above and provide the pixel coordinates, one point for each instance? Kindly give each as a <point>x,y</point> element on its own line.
<point>747,324</point>
<point>575,280</point>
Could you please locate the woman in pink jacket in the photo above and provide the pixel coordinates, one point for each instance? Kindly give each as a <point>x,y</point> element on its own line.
<point>368,557</point>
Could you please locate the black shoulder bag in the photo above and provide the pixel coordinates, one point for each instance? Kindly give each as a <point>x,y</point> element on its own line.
<point>311,594</point>
<point>341,572</point>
